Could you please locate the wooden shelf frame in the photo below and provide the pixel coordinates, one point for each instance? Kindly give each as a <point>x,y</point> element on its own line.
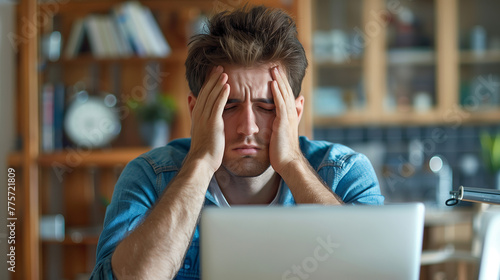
<point>28,55</point>
<point>80,8</point>
<point>32,161</point>
<point>486,57</point>
<point>102,158</point>
<point>177,57</point>
<point>88,240</point>
<point>447,60</point>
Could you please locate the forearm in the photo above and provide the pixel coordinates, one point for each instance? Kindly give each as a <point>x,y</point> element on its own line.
<point>156,248</point>
<point>305,184</point>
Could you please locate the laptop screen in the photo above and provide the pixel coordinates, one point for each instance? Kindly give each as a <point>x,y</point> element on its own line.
<point>312,242</point>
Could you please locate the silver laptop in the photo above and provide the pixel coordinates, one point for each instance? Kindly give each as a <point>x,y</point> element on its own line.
<point>311,242</point>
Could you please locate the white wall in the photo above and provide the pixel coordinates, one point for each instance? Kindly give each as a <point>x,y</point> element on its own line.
<point>7,114</point>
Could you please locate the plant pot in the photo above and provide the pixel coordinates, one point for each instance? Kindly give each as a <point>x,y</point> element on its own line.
<point>155,134</point>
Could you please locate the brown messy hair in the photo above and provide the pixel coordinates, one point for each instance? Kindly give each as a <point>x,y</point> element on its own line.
<point>247,37</point>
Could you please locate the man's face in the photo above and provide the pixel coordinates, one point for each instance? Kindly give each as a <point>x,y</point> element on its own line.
<point>248,119</point>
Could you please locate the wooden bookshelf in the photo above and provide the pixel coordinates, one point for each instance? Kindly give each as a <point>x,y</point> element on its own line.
<point>90,174</point>
<point>443,58</point>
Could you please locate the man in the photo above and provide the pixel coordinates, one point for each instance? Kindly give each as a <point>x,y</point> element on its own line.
<point>245,77</point>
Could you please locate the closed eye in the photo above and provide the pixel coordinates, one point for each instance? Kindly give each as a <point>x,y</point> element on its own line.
<point>228,108</point>
<point>267,109</point>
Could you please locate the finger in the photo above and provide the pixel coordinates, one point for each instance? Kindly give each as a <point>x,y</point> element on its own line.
<point>208,86</point>
<point>286,83</point>
<point>284,88</point>
<point>214,95</point>
<point>279,102</point>
<point>221,101</point>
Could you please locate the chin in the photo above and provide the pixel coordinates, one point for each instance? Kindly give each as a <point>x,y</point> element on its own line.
<point>246,167</point>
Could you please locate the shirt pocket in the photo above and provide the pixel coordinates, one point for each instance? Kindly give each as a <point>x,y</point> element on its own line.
<point>191,267</point>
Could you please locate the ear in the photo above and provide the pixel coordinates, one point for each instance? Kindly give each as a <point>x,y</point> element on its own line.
<point>191,103</point>
<point>299,105</point>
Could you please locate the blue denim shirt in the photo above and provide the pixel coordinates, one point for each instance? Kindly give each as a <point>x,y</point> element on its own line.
<point>349,174</point>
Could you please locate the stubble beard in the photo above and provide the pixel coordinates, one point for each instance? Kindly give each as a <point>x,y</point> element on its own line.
<point>246,166</point>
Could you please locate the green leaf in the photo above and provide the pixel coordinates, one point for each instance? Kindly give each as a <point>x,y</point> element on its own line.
<point>163,107</point>
<point>486,147</point>
<point>495,153</point>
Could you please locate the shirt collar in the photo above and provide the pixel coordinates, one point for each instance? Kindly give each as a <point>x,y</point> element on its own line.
<point>215,195</point>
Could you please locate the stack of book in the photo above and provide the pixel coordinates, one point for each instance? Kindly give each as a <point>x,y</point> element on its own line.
<point>130,29</point>
<point>53,99</point>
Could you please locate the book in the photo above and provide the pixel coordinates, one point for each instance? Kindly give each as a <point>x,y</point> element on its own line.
<point>59,104</point>
<point>159,42</point>
<point>95,37</point>
<point>75,40</point>
<point>129,28</point>
<point>47,117</point>
<point>136,11</point>
<point>137,28</point>
<point>119,22</point>
<point>104,36</point>
<point>127,25</point>
<point>121,45</point>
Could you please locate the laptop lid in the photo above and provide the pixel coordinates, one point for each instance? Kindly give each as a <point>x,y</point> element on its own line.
<point>311,242</point>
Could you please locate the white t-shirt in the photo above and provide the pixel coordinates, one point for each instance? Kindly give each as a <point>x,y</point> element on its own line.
<point>215,190</point>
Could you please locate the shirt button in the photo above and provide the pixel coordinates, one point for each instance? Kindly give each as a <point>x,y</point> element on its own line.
<point>187,263</point>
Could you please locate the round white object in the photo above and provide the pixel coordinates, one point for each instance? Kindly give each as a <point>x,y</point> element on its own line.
<point>91,123</point>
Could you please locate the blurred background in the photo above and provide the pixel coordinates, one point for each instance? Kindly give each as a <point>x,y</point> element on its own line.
<point>87,86</point>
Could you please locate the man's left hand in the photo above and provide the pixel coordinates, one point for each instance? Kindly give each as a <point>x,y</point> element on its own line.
<point>284,143</point>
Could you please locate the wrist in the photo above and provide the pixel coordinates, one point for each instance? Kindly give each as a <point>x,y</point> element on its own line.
<point>293,167</point>
<point>198,164</point>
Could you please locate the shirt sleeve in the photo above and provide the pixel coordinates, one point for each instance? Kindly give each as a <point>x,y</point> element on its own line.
<point>355,181</point>
<point>134,195</point>
<point>103,270</point>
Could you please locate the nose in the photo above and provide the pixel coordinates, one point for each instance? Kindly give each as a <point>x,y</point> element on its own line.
<point>247,124</point>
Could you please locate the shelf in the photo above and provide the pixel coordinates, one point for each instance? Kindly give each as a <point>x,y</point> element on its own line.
<point>471,57</point>
<point>174,57</point>
<point>482,117</point>
<point>329,62</point>
<point>433,117</point>
<point>82,157</point>
<point>350,118</point>
<point>415,57</point>
<point>88,240</point>
<point>95,6</point>
<point>413,118</point>
<point>397,118</point>
<point>14,159</point>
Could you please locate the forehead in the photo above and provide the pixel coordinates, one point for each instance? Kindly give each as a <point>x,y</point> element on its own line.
<point>254,81</point>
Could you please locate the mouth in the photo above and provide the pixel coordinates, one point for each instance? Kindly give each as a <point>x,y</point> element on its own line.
<point>247,150</point>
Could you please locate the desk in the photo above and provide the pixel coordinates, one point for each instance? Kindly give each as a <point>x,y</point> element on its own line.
<point>448,247</point>
<point>436,217</point>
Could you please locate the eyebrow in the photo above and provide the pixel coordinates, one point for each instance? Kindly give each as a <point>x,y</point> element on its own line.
<point>257,100</point>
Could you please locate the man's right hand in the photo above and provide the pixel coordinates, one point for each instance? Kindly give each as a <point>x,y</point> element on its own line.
<point>156,248</point>
<point>207,129</point>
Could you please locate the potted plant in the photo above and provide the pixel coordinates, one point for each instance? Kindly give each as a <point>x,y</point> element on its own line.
<point>490,145</point>
<point>155,116</point>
